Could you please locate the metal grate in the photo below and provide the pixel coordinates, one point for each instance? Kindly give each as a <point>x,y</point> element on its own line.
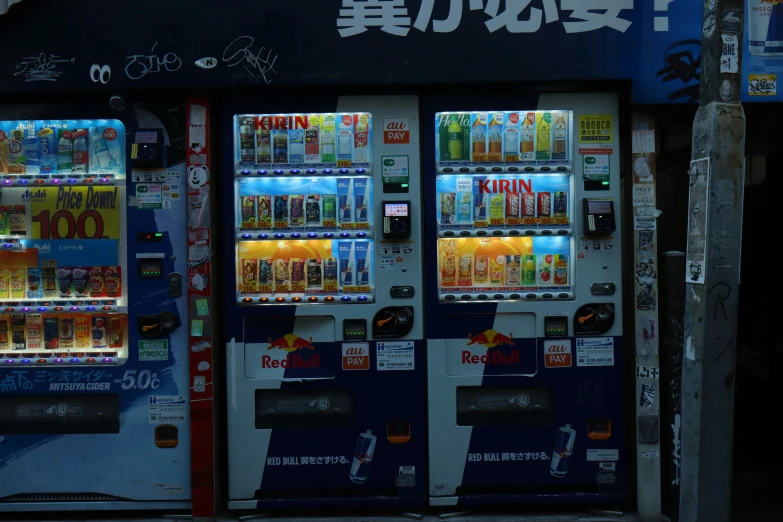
<point>58,497</point>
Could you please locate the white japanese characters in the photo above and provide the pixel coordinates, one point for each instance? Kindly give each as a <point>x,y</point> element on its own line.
<point>517,16</point>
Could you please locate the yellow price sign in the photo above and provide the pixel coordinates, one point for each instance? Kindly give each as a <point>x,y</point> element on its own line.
<point>595,129</point>
<point>75,212</point>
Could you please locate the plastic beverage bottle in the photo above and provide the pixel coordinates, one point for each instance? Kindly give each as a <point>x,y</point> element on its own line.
<point>81,155</point>
<point>65,153</point>
<point>455,139</point>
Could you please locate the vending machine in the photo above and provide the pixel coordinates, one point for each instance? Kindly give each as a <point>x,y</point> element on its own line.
<point>524,339</point>
<point>324,323</point>
<point>93,361</point>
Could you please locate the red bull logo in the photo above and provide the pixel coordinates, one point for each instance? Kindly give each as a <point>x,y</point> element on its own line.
<point>491,339</point>
<point>291,343</point>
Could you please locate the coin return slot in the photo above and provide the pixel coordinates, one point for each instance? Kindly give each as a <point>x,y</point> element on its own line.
<point>398,432</point>
<point>599,429</point>
<point>166,436</point>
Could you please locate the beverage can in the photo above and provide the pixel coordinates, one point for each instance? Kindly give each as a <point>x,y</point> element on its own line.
<point>280,146</point>
<point>329,209</point>
<point>448,271</point>
<point>82,332</point>
<point>99,339</point>
<point>4,344</point>
<point>561,269</point>
<point>480,269</point>
<point>282,276</point>
<point>296,145</point>
<point>18,332</point>
<point>296,213</point>
<point>263,145</point>
<point>51,330</point>
<point>115,334</point>
<point>465,277</point>
<point>314,274</point>
<point>464,210</point>
<point>247,150</point>
<point>561,204</point>
<point>544,204</point>
<point>561,455</point>
<point>312,151</point>
<point>313,210</point>
<point>479,206</point>
<point>528,205</point>
<point>247,206</point>
<point>447,208</point>
<point>496,270</point>
<point>512,205</point>
<point>765,24</point>
<point>249,279</point>
<point>66,332</point>
<point>281,211</point>
<point>362,457</point>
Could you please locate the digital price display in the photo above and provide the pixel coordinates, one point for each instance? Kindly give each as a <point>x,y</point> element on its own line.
<point>396,210</point>
<point>146,137</point>
<point>599,207</point>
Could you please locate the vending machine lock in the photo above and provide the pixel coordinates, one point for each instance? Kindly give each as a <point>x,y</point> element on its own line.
<point>156,326</point>
<point>602,288</point>
<point>594,319</point>
<point>401,292</point>
<point>396,219</point>
<point>392,322</point>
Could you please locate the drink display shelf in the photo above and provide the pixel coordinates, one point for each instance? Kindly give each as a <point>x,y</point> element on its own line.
<point>70,357</point>
<point>505,169</point>
<point>299,170</point>
<point>299,299</point>
<point>55,180</point>
<point>46,306</point>
<point>272,235</point>
<point>555,294</point>
<point>539,230</point>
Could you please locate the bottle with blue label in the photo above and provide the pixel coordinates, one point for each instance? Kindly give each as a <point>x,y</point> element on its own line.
<point>48,149</point>
<point>81,155</point>
<point>31,145</point>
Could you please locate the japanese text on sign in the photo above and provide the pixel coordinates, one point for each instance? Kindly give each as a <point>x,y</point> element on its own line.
<point>63,380</point>
<point>595,129</point>
<point>306,461</point>
<point>75,212</point>
<point>507,456</point>
<point>518,16</point>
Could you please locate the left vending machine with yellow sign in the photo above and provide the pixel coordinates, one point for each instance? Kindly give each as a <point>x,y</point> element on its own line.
<point>93,359</point>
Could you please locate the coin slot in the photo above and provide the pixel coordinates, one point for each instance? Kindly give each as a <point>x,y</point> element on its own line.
<point>166,436</point>
<point>599,429</point>
<point>398,432</point>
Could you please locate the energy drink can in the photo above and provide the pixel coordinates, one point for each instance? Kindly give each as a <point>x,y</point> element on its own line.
<point>561,456</point>
<point>51,330</point>
<point>765,24</point>
<point>561,204</point>
<point>362,457</point>
<point>346,275</point>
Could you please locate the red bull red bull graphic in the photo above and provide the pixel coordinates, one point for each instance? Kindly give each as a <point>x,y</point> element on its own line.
<point>362,457</point>
<point>491,339</point>
<point>291,343</point>
<point>561,456</point>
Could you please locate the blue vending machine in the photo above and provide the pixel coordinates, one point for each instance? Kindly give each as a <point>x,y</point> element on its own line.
<point>93,359</point>
<point>324,322</point>
<point>524,318</point>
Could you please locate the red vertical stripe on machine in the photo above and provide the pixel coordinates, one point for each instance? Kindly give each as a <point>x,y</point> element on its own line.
<point>202,411</point>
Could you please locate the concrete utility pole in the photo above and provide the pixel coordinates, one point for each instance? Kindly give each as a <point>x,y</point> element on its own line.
<point>712,269</point>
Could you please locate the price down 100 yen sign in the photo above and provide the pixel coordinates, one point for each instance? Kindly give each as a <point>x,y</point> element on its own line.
<point>75,212</point>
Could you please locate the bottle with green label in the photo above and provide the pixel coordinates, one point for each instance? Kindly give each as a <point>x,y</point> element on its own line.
<point>529,271</point>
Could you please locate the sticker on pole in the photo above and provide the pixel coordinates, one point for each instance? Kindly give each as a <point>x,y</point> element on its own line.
<point>698,211</point>
<point>168,409</point>
<point>595,351</point>
<point>394,356</point>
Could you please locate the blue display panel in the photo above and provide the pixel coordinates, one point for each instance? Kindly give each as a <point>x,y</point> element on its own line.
<point>314,204</point>
<point>63,263</point>
<point>84,362</point>
<point>303,218</point>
